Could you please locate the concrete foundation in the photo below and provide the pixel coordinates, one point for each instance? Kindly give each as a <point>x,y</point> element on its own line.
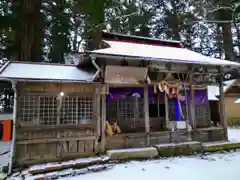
<point>137,153</point>
<point>177,149</point>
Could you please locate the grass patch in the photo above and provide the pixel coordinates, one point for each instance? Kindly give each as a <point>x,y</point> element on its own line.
<point>233,122</point>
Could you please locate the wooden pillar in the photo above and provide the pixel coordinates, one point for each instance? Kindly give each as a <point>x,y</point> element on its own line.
<point>103,123</point>
<point>146,115</point>
<point>222,108</point>
<point>166,110</point>
<point>192,107</point>
<point>97,105</point>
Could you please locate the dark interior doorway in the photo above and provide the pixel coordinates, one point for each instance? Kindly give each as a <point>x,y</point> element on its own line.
<point>214,111</point>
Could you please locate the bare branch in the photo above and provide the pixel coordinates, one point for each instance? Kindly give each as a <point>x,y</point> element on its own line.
<point>221,8</point>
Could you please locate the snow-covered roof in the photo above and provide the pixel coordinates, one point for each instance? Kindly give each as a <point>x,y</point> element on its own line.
<point>44,71</point>
<point>159,54</point>
<point>213,91</point>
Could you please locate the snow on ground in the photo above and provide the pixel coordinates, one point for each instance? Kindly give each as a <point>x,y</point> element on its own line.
<point>211,167</point>
<point>72,162</point>
<point>234,134</point>
<point>218,166</point>
<point>4,153</point>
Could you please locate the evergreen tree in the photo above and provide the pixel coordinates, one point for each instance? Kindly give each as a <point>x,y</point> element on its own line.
<point>60,26</point>
<point>27,24</point>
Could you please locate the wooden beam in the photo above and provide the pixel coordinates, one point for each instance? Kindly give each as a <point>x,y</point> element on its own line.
<point>146,115</point>
<point>53,140</point>
<point>181,68</point>
<point>222,108</point>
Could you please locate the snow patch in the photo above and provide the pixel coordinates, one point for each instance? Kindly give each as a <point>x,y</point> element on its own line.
<point>72,162</point>
<point>131,150</point>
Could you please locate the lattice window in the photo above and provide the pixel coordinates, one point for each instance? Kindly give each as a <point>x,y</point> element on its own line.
<point>124,110</point>
<point>48,110</point>
<point>202,115</point>
<point>85,110</point>
<point>76,110</point>
<point>201,110</point>
<point>28,109</point>
<point>69,110</point>
<point>130,107</point>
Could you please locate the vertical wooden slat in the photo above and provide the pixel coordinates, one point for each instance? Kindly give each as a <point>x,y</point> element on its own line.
<point>58,109</point>
<point>103,123</point>
<point>146,115</point>
<point>38,111</point>
<point>222,108</point>
<point>77,120</point>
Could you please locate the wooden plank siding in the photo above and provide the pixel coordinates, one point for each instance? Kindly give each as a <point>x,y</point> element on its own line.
<point>36,143</point>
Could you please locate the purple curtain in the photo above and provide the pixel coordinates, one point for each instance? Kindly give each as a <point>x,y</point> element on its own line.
<point>201,97</point>
<point>115,93</point>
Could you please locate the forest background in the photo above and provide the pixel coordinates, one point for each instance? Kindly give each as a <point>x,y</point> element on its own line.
<point>47,30</point>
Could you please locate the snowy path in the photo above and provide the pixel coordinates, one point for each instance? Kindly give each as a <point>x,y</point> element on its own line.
<point>212,167</point>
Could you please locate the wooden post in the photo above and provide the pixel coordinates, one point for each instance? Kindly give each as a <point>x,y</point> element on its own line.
<point>222,108</point>
<point>97,104</point>
<point>103,123</point>
<point>146,115</point>
<point>192,107</point>
<point>166,110</point>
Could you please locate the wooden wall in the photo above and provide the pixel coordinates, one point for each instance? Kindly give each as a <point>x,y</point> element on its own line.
<point>136,140</point>
<point>37,144</point>
<point>232,109</point>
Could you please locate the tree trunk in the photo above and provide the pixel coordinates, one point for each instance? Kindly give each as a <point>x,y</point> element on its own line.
<point>28,29</point>
<point>226,15</point>
<point>227,41</point>
<point>38,33</point>
<point>175,22</point>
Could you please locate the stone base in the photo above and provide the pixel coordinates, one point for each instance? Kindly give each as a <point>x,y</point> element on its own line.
<point>177,149</point>
<point>138,153</point>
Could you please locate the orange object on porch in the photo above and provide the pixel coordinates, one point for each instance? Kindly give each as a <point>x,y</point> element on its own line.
<point>7,130</point>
